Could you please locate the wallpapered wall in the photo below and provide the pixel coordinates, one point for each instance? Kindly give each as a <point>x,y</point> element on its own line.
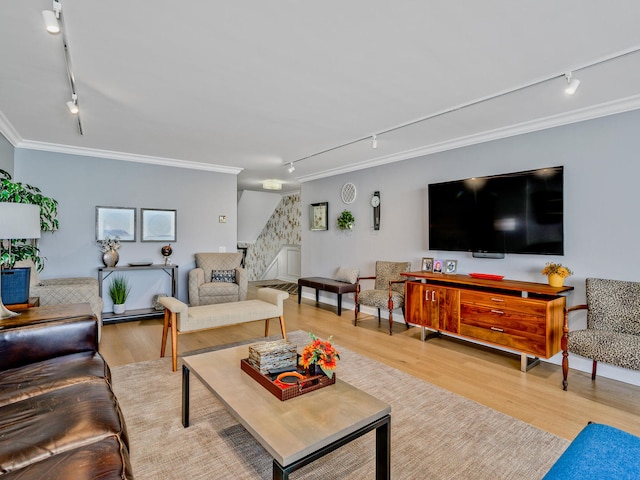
<point>283,228</point>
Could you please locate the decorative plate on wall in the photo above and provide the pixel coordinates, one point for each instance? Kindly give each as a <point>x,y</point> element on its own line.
<point>348,193</point>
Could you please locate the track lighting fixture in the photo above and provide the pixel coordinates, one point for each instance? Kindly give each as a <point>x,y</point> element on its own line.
<point>51,18</point>
<point>374,141</point>
<point>72,104</point>
<point>291,168</point>
<point>572,84</point>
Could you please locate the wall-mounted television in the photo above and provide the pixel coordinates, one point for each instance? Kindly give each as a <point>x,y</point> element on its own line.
<point>519,212</point>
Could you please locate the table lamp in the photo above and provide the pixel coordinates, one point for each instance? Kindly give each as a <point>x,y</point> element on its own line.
<point>17,220</point>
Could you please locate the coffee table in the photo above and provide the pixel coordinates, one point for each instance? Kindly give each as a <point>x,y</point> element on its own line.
<point>298,431</point>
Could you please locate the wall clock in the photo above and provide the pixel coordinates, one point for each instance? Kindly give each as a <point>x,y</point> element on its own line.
<point>348,193</point>
<point>375,204</point>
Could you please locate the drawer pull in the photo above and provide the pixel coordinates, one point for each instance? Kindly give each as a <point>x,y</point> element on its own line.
<point>433,293</point>
<point>496,329</point>
<point>499,312</point>
<point>497,300</point>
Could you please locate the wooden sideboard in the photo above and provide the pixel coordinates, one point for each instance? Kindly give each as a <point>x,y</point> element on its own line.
<point>524,317</point>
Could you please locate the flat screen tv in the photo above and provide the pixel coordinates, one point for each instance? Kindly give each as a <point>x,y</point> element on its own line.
<point>519,212</point>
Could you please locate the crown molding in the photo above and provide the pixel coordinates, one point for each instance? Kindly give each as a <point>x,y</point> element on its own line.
<point>7,129</point>
<point>581,115</point>
<point>125,157</point>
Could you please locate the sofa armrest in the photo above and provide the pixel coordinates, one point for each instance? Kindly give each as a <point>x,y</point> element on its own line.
<point>28,344</point>
<point>196,278</point>
<point>242,279</point>
<point>271,295</point>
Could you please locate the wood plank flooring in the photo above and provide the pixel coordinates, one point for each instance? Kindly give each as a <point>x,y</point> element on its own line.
<point>484,375</point>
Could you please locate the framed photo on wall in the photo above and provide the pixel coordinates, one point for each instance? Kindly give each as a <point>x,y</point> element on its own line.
<point>158,225</point>
<point>427,264</point>
<point>318,214</point>
<point>116,222</point>
<point>450,266</point>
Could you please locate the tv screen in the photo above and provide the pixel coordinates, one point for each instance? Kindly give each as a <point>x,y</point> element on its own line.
<point>519,212</point>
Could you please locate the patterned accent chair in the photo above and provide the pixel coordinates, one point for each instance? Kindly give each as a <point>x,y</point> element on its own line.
<point>388,290</point>
<point>59,291</point>
<point>204,291</point>
<point>612,335</point>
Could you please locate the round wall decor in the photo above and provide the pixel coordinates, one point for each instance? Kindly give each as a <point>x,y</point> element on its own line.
<point>348,193</point>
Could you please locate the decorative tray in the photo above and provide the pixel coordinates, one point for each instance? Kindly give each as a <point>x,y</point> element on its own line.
<point>286,391</point>
<point>487,276</point>
<point>140,264</point>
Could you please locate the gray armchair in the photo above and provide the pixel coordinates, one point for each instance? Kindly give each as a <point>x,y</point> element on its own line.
<point>612,335</point>
<point>217,278</point>
<point>388,290</point>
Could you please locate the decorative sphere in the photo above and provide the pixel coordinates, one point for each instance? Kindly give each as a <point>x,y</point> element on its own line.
<point>166,250</point>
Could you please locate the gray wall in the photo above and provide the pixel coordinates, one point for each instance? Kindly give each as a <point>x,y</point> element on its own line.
<point>81,183</point>
<point>6,155</point>
<point>602,230</point>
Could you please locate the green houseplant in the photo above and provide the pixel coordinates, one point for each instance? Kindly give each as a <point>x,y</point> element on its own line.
<point>119,290</point>
<point>346,220</point>
<point>17,192</point>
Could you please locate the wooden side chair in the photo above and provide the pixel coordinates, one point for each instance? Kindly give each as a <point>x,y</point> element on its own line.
<point>388,290</point>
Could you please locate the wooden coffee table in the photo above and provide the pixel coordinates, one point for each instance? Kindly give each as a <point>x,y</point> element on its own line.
<point>298,431</point>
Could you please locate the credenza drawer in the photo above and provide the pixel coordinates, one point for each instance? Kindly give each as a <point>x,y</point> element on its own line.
<point>528,306</point>
<point>517,340</point>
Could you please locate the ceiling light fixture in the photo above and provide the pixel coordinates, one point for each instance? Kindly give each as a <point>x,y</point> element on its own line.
<point>291,168</point>
<point>572,84</point>
<point>72,104</point>
<point>374,141</point>
<point>51,18</point>
<point>272,184</point>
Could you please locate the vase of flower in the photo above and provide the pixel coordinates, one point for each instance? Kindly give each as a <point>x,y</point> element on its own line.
<point>110,258</point>
<point>315,369</point>
<point>556,273</point>
<point>319,355</point>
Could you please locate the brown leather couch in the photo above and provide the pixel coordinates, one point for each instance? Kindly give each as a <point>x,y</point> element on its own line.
<point>59,418</point>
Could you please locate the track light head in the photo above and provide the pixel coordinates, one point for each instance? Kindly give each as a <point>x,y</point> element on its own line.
<point>374,141</point>
<point>72,104</point>
<point>51,21</point>
<point>291,168</point>
<point>572,84</point>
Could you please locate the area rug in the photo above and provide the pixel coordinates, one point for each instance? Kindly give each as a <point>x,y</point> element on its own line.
<point>290,288</point>
<point>435,434</point>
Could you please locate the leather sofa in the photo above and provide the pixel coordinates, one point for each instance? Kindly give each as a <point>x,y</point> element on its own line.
<point>59,418</point>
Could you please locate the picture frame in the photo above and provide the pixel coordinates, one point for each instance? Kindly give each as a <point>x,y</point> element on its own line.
<point>450,266</point>
<point>158,225</point>
<point>116,222</point>
<point>427,264</point>
<point>438,265</point>
<point>318,215</point>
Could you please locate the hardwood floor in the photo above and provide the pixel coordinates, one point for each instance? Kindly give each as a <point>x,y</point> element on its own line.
<point>484,375</point>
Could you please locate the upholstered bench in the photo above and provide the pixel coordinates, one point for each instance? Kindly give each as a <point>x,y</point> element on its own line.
<point>599,452</point>
<point>327,285</point>
<point>184,319</point>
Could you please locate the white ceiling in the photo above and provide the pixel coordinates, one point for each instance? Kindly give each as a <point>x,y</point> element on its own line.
<point>256,84</point>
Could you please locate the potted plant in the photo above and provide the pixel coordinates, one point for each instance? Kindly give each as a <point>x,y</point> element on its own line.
<point>18,192</point>
<point>556,273</point>
<point>346,220</point>
<point>320,354</point>
<point>119,290</point>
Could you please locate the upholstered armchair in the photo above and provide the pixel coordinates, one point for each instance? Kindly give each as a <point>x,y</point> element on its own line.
<point>612,335</point>
<point>59,291</point>
<point>217,278</point>
<point>388,290</point>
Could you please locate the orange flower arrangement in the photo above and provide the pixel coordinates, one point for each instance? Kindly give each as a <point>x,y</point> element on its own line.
<point>321,353</point>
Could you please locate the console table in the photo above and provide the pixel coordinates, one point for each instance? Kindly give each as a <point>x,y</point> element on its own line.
<point>524,317</point>
<point>136,314</point>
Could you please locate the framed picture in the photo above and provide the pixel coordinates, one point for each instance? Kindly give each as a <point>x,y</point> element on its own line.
<point>438,265</point>
<point>427,264</point>
<point>450,266</point>
<point>318,215</point>
<point>158,225</point>
<point>116,222</point>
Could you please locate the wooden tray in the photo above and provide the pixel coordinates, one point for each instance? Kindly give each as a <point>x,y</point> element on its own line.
<point>309,384</point>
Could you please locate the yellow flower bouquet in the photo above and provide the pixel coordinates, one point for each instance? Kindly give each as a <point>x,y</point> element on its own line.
<point>320,353</point>
<point>556,269</point>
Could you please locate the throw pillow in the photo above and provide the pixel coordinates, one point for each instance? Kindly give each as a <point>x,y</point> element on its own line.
<point>228,276</point>
<point>349,275</point>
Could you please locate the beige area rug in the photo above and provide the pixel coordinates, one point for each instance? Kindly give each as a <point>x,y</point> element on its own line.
<point>435,434</point>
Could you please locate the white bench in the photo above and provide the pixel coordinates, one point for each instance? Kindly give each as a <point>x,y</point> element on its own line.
<point>184,319</point>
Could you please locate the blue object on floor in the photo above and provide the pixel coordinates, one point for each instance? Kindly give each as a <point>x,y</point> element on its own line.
<point>599,452</point>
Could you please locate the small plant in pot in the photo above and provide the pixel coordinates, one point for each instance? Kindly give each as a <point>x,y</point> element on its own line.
<point>346,220</point>
<point>119,291</point>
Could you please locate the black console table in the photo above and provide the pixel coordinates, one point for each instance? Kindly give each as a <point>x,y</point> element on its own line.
<point>140,313</point>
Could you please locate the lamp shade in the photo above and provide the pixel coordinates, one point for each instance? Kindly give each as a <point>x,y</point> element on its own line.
<point>19,220</point>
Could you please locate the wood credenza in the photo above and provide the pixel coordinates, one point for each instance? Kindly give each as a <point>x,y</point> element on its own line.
<point>524,317</point>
